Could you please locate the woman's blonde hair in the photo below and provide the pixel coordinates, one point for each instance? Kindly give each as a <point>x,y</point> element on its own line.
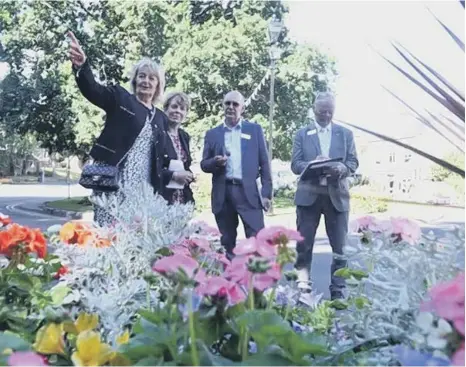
<point>154,68</point>
<point>181,97</point>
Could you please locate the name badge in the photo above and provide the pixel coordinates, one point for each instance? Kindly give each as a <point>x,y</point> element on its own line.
<point>312,132</point>
<point>245,136</point>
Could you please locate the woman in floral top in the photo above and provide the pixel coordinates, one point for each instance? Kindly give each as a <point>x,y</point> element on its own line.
<point>176,107</point>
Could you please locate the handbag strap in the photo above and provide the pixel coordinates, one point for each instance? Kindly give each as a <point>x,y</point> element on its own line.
<point>148,121</point>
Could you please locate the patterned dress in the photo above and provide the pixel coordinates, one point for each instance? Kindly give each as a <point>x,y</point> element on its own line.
<point>178,195</point>
<point>134,173</point>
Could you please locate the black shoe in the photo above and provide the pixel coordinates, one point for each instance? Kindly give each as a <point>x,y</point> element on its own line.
<point>336,295</point>
<point>230,256</point>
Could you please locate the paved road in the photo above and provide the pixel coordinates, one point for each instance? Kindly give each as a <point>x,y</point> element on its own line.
<point>437,219</point>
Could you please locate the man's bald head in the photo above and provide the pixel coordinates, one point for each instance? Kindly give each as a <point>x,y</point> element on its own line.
<point>233,105</point>
<point>324,107</point>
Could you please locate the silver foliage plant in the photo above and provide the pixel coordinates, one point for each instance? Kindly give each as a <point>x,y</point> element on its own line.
<point>399,275</point>
<point>110,281</point>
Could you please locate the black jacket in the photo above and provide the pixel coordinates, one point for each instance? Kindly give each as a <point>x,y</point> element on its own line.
<point>125,118</point>
<point>170,154</point>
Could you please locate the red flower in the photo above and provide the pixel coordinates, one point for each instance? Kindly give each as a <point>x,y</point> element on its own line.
<point>60,272</point>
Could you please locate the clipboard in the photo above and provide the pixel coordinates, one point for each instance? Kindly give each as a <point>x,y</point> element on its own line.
<point>315,169</point>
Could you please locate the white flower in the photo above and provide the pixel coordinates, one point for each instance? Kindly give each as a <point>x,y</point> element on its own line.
<point>443,327</point>
<point>54,229</point>
<point>425,320</point>
<point>435,341</point>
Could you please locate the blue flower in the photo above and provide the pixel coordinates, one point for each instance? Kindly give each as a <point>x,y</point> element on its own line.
<point>196,302</point>
<point>411,357</point>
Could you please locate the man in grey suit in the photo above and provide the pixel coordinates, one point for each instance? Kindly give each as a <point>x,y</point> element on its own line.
<point>327,194</point>
<point>236,155</point>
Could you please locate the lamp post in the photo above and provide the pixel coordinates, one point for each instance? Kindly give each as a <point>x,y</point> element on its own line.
<point>275,29</point>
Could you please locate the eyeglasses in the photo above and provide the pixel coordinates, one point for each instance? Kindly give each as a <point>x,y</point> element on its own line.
<point>231,103</point>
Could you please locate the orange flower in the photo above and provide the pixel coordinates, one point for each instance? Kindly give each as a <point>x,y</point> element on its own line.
<point>103,242</point>
<point>18,233</point>
<point>5,241</point>
<point>75,233</point>
<point>37,243</point>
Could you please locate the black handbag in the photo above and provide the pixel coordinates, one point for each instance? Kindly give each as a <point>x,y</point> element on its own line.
<point>102,176</point>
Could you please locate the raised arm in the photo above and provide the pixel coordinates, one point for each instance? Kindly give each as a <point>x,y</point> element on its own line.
<point>298,164</point>
<point>97,94</point>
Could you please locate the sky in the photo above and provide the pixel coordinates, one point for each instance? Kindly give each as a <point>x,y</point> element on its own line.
<point>352,30</point>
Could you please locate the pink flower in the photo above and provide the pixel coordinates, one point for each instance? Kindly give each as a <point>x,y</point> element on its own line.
<point>406,230</point>
<point>252,245</point>
<point>238,272</point>
<point>278,234</point>
<point>366,223</point>
<point>458,356</point>
<point>221,258</point>
<point>447,300</point>
<point>170,265</point>
<point>201,276</point>
<point>267,279</point>
<point>180,250</point>
<point>26,359</point>
<point>218,286</point>
<point>200,243</point>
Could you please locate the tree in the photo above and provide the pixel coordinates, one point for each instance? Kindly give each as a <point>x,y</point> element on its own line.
<point>40,96</point>
<point>220,48</point>
<point>217,55</point>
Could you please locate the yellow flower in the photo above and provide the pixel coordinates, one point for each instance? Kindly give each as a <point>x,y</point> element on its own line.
<point>7,351</point>
<point>86,322</point>
<point>49,340</point>
<point>123,338</point>
<point>90,351</point>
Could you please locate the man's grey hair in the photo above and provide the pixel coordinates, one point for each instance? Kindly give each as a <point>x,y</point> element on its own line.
<point>156,69</point>
<point>325,95</point>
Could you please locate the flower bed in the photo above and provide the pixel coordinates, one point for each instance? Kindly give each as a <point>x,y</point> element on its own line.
<point>157,289</point>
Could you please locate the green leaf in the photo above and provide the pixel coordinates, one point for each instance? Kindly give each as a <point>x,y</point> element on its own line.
<point>267,360</point>
<point>358,274</point>
<point>339,304</point>
<point>9,340</point>
<point>149,361</point>
<point>58,293</point>
<point>343,272</point>
<point>360,302</point>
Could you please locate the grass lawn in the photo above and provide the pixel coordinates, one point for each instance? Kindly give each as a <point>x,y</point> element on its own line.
<point>76,204</point>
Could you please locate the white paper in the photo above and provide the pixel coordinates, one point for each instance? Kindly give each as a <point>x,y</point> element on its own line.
<point>175,166</point>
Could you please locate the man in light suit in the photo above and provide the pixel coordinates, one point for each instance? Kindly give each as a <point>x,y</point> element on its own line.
<point>236,155</point>
<point>327,194</point>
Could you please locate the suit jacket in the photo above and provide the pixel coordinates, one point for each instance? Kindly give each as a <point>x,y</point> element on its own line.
<point>167,175</point>
<point>306,147</point>
<point>254,160</point>
<point>125,118</point>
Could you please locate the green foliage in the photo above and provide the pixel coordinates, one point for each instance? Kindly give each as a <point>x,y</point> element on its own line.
<point>205,56</point>
<point>26,290</point>
<point>441,174</point>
